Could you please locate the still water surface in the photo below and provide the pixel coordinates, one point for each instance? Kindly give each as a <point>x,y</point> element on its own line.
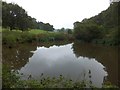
<point>61,60</point>
<point>77,61</point>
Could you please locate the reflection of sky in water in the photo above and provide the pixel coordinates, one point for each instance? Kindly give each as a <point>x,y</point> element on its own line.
<point>57,60</point>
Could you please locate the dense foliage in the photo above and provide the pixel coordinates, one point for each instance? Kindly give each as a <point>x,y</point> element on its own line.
<point>11,79</point>
<point>87,32</point>
<point>102,28</point>
<point>15,17</point>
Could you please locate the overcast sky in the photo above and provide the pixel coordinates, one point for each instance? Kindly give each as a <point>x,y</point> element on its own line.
<point>62,13</point>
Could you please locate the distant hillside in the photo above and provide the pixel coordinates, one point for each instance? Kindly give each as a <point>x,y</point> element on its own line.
<point>108,18</point>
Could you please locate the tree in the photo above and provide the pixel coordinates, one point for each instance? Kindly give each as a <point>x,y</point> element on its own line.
<point>45,26</point>
<point>87,32</point>
<point>103,26</point>
<point>15,17</point>
<point>69,31</point>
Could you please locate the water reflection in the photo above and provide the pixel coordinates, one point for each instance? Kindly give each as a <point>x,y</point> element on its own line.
<point>61,60</point>
<point>17,57</point>
<point>106,55</point>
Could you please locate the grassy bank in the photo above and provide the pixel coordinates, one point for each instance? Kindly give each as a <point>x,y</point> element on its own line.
<point>16,36</point>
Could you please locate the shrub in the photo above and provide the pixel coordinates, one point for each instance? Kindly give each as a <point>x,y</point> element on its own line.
<point>87,32</point>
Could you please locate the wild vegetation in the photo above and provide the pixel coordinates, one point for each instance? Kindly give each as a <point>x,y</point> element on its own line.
<point>18,28</point>
<point>11,79</point>
<point>15,17</point>
<point>102,28</point>
<point>14,37</point>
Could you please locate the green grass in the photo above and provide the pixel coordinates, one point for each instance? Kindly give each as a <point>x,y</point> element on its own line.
<point>37,31</point>
<point>13,37</point>
<point>16,36</point>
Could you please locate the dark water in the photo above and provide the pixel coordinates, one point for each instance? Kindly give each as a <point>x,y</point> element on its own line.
<point>78,61</point>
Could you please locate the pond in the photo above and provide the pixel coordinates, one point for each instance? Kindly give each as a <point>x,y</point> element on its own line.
<point>77,61</point>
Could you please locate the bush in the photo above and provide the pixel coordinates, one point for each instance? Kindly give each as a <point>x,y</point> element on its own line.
<point>87,32</point>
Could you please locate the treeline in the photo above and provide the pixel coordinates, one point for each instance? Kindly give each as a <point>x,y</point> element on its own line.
<point>64,30</point>
<point>102,28</point>
<point>15,17</point>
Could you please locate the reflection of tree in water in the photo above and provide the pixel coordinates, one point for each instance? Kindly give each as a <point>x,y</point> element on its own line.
<point>57,43</point>
<point>17,57</point>
<point>108,56</point>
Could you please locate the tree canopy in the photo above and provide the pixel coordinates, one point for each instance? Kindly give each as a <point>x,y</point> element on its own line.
<point>102,26</point>
<point>15,17</point>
